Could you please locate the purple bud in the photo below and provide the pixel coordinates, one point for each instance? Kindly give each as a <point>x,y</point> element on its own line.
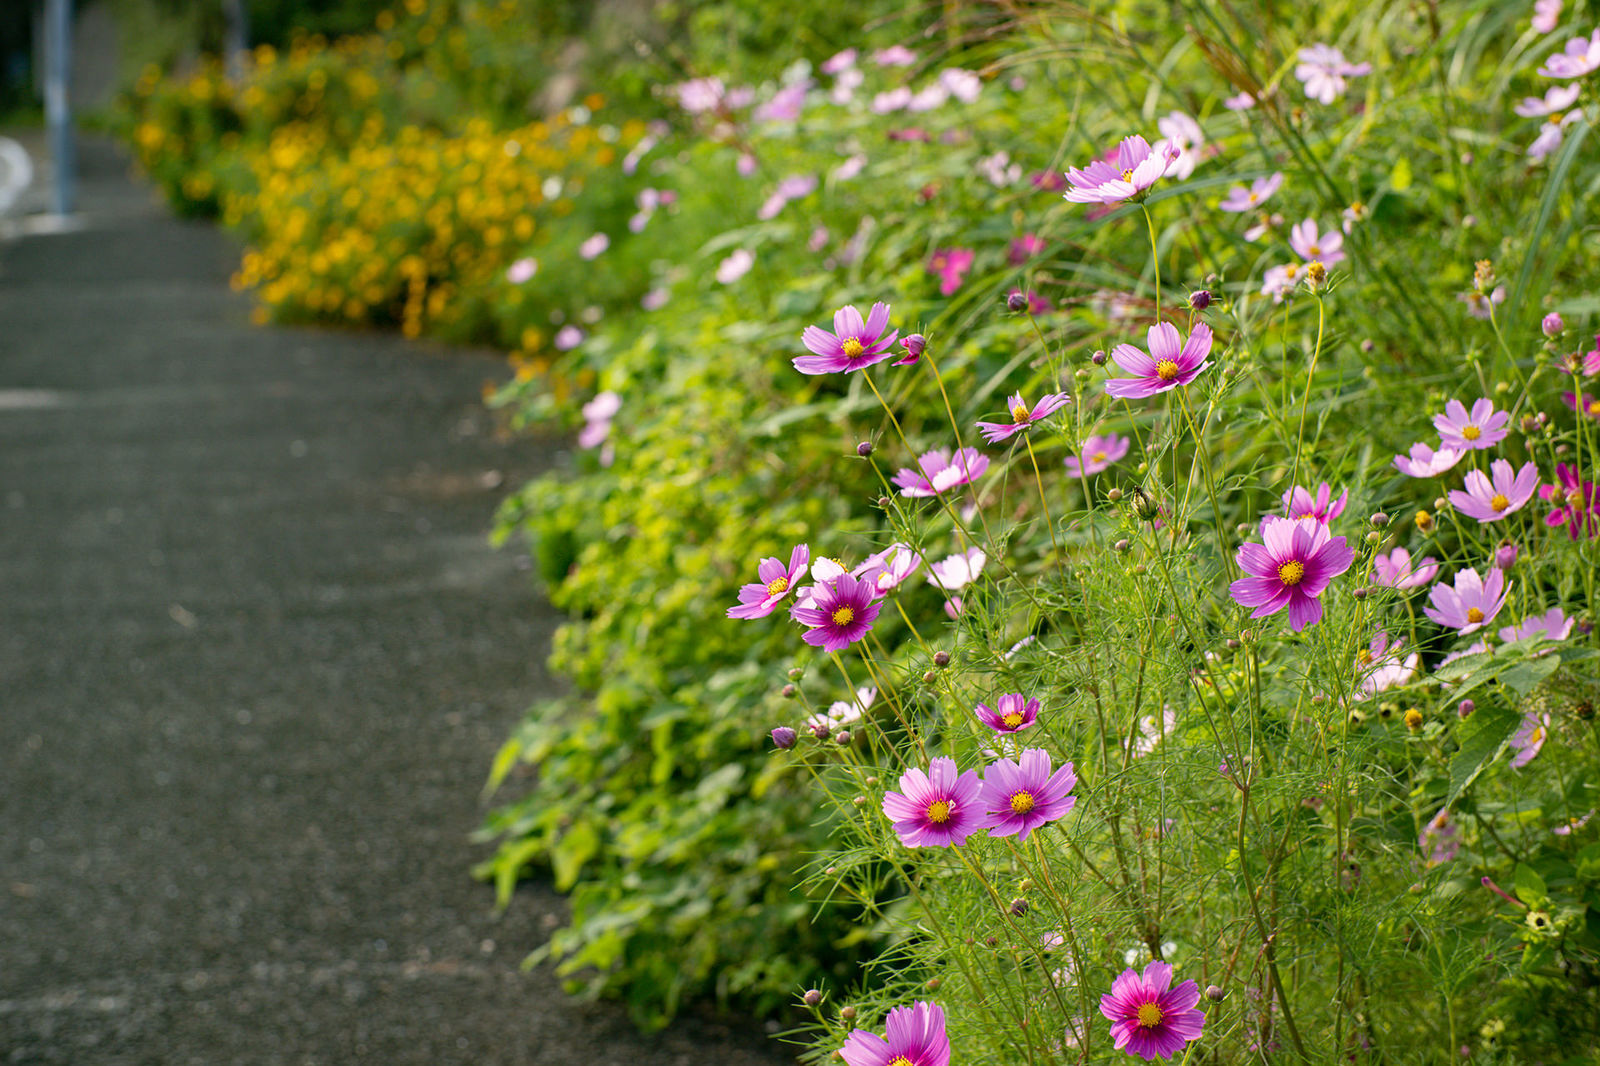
<point>1465,708</point>
<point>1552,324</point>
<point>1200,299</point>
<point>1019,907</point>
<point>1098,359</point>
<point>864,449</point>
<point>783,736</point>
<point>842,737</point>
<point>820,731</point>
<point>788,692</point>
<point>812,997</point>
<point>941,658</point>
<point>1016,302</point>
<point>1214,994</point>
<point>1379,520</point>
<point>914,345</point>
<point>1505,556</point>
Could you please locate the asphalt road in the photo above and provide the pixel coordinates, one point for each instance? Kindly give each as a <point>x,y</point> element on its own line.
<point>255,657</point>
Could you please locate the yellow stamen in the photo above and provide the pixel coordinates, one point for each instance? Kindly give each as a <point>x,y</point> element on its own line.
<point>1150,1015</point>
<point>1474,615</point>
<point>1316,251</point>
<point>1012,720</point>
<point>1022,803</point>
<point>1127,175</point>
<point>1594,408</point>
<point>1290,270</point>
<point>939,812</point>
<point>777,586</point>
<point>1166,370</point>
<point>1254,197</point>
<point>900,1060</point>
<point>843,616</point>
<point>1099,457</point>
<point>1292,572</point>
<point>1574,498</point>
<point>1499,503</point>
<point>1019,413</point>
<point>1471,433</point>
<point>1364,656</point>
<point>852,347</point>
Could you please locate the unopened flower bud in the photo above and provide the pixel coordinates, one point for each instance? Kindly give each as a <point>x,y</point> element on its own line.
<point>1121,545</point>
<point>1424,521</point>
<point>1505,556</point>
<point>941,658</point>
<point>933,984</point>
<point>1016,303</point>
<point>820,731</point>
<point>812,997</point>
<point>1115,495</point>
<point>1231,644</point>
<point>1361,592</point>
<point>783,736</point>
<point>1098,358</point>
<point>1441,504</point>
<point>1413,719</point>
<point>1465,708</point>
<point>1019,907</point>
<point>1247,635</point>
<point>1552,324</point>
<point>1529,425</point>
<point>864,449</point>
<point>872,781</point>
<point>1379,520</point>
<point>1139,570</point>
<point>795,673</point>
<point>1145,505</point>
<point>991,941</point>
<point>1367,345</point>
<point>1214,994</point>
<point>788,692</point>
<point>859,801</point>
<point>1200,299</point>
<point>848,1013</point>
<point>929,677</point>
<point>884,502</point>
<point>1373,536</point>
<point>914,346</point>
<point>842,737</point>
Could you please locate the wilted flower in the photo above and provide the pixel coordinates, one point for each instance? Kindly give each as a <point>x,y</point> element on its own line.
<point>1148,1017</point>
<point>1483,427</point>
<point>935,809</point>
<point>1241,199</point>
<point>852,345</point>
<point>761,598</point>
<point>1022,416</point>
<point>1396,570</point>
<point>1469,604</point>
<point>1018,797</point>
<point>1097,454</point>
<point>1136,167</point>
<point>1425,462</point>
<point>940,471</point>
<point>1323,69</point>
<point>1012,714</point>
<point>1295,562</point>
<point>1490,501</point>
<point>1170,363</point>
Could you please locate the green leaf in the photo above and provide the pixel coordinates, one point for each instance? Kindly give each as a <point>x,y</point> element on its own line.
<point>1524,677</point>
<point>577,846</point>
<point>1529,885</point>
<point>1481,738</point>
<point>1400,176</point>
<point>504,760</point>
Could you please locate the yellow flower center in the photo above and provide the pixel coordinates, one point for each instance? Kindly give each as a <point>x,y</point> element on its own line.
<point>1474,615</point>
<point>1022,803</point>
<point>1254,197</point>
<point>1127,175</point>
<point>777,586</point>
<point>1499,503</point>
<point>843,616</point>
<point>1150,1015</point>
<point>1471,433</point>
<point>1364,656</point>
<point>1012,720</point>
<point>1594,408</point>
<point>852,347</point>
<point>1292,572</point>
<point>1290,271</point>
<point>939,812</point>
<point>1316,251</point>
<point>1536,737</point>
<point>901,1060</point>
<point>1019,413</point>
<point>1166,370</point>
<point>1574,498</point>
<point>1554,119</point>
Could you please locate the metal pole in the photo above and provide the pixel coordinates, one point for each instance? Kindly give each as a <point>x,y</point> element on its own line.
<point>57,101</point>
<point>238,37</point>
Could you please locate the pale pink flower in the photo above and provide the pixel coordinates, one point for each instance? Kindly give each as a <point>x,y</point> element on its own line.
<point>1241,199</point>
<point>1308,244</point>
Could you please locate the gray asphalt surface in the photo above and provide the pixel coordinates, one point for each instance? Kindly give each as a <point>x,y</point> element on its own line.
<point>255,657</point>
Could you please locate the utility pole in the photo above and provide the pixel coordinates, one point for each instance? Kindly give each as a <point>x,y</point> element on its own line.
<point>58,103</point>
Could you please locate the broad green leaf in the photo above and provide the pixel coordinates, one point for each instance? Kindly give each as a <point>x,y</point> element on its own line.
<point>1481,739</point>
<point>1528,885</point>
<point>577,846</point>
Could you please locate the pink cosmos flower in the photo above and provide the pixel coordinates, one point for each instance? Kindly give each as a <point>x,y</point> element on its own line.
<point>1098,453</point>
<point>1182,132</point>
<point>699,95</point>
<point>1584,405</point>
<point>839,61</point>
<point>888,569</point>
<point>1552,625</point>
<point>593,246</point>
<point>1326,248</point>
<point>1579,57</point>
<point>964,85</point>
<point>1491,500</point>
<point>785,105</point>
<point>735,266</point>
<point>958,571</point>
<point>597,416</point>
<point>891,100</point>
<point>1265,224</point>
<point>1301,504</point>
<point>1171,362</point>
<point>1396,570</point>
<point>1011,715</point>
<point>1546,13</point>
<point>1135,168</point>
<point>1323,69</point>
<point>852,345</point>
<point>1152,732</point>
<point>1295,562</point>
<point>940,471</point>
<point>916,1037</point>
<point>1239,102</point>
<point>1573,824</point>
<point>1577,502</point>
<point>845,84</point>
<point>761,598</point>
<point>1482,305</point>
<point>1425,462</point>
<point>1021,416</point>
<point>1557,99</point>
<point>951,264</point>
<point>1483,427</point>
<point>1148,1017</point>
<point>1529,738</point>
<point>1471,603</point>
<point>840,613</point>
<point>936,809</point>
<point>1279,281</point>
<point>849,168</point>
<point>1240,199</point>
<point>1551,134</point>
<point>522,270</point>
<point>894,56</point>
<point>568,337</point>
<point>1380,667</point>
<point>1018,797</point>
<point>841,713</point>
<point>1440,838</point>
<point>1025,248</point>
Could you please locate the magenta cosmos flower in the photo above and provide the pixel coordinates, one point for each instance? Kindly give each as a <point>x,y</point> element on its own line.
<point>1240,199</point>
<point>1022,416</point>
<point>1149,1017</point>
<point>1133,169</point>
<point>1425,462</point>
<point>1010,715</point>
<point>1171,362</point>
<point>1308,244</point>
<point>1301,504</point>
<point>941,471</point>
<point>916,1037</point>
<point>1583,405</point>
<point>936,809</point>
<point>1397,571</point>
<point>1018,797</point>
<point>1471,603</point>
<point>1579,57</point>
<point>1098,454</point>
<point>853,344</point>
<point>1489,500</point>
<point>951,264</point>
<point>1577,502</point>
<point>1295,562</point>
<point>1463,430</point>
<point>839,613</point>
<point>761,598</point>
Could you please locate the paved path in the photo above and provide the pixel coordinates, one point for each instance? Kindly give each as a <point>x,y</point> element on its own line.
<point>255,656</point>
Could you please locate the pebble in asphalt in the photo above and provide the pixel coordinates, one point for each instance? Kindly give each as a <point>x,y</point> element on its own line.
<point>255,657</point>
